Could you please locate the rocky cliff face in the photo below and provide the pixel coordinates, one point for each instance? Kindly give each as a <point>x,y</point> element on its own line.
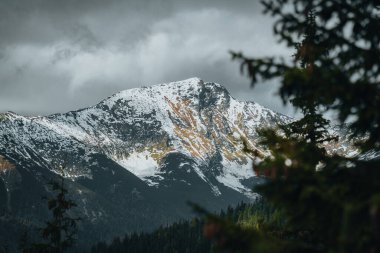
<point>133,160</point>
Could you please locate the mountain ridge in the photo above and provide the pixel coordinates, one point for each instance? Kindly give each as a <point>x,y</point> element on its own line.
<point>81,131</point>
<point>133,159</point>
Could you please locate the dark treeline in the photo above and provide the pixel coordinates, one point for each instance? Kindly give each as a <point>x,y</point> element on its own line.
<point>180,237</point>
<point>187,236</point>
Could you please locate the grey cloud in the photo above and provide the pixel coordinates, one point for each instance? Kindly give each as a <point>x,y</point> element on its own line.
<point>64,55</point>
<point>49,20</point>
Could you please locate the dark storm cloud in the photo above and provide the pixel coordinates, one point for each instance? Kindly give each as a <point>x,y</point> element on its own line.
<point>62,55</point>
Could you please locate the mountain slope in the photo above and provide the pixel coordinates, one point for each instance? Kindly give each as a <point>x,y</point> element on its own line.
<point>135,158</point>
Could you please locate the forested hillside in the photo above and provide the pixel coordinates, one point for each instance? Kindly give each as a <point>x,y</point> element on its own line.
<point>189,236</point>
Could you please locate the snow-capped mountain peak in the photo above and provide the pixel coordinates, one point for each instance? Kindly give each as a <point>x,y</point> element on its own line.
<point>139,127</point>
<point>133,159</point>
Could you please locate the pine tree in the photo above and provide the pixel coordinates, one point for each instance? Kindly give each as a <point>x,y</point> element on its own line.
<point>330,203</point>
<point>59,233</point>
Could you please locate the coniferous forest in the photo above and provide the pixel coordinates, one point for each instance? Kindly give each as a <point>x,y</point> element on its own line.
<point>183,236</point>
<point>191,236</point>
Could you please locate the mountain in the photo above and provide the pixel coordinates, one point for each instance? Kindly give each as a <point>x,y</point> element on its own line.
<point>133,160</point>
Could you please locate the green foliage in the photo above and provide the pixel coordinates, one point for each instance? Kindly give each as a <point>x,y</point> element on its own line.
<point>344,48</point>
<point>234,231</point>
<point>330,203</point>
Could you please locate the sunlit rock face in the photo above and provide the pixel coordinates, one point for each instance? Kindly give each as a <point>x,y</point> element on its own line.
<point>134,159</point>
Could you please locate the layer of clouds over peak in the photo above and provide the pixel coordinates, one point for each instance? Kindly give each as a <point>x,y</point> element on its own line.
<point>57,56</point>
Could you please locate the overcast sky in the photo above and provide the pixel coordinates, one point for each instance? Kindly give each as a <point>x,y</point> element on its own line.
<point>57,56</point>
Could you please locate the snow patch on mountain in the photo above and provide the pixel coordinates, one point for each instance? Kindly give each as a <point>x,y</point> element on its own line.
<point>141,165</point>
<point>234,172</point>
